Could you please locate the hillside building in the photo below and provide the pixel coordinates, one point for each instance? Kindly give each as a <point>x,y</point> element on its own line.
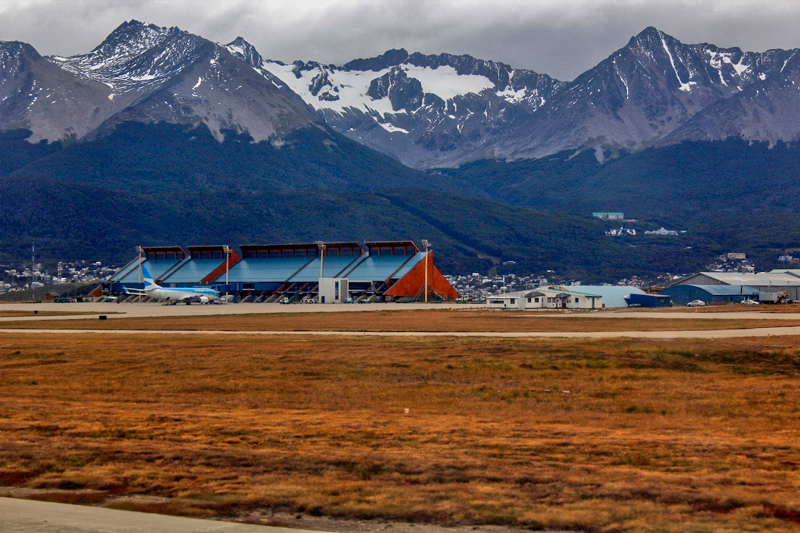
<point>609,216</point>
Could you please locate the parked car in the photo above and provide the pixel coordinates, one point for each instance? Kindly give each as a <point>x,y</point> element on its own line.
<point>696,303</point>
<point>285,300</point>
<point>748,301</point>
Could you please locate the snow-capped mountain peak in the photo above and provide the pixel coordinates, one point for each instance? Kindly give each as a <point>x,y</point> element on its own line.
<point>425,105</point>
<point>425,110</point>
<point>145,73</point>
<point>245,51</point>
<point>136,55</point>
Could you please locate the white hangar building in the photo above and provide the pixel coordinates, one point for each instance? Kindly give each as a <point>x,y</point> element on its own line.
<point>545,298</point>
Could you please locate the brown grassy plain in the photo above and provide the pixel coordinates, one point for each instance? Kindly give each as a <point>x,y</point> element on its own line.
<point>405,321</point>
<point>652,435</point>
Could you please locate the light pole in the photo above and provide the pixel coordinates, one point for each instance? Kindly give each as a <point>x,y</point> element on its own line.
<point>426,244</point>
<point>139,253</point>
<point>321,246</point>
<point>227,250</point>
<point>33,269</point>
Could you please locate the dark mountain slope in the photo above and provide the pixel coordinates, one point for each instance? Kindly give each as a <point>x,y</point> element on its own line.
<point>683,182</point>
<point>102,224</point>
<point>177,159</point>
<point>16,151</point>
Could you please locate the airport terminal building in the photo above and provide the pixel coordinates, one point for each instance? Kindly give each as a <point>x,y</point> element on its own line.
<point>346,271</point>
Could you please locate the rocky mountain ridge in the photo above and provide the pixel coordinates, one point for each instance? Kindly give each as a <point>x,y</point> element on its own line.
<point>146,74</point>
<point>444,110</point>
<point>426,111</point>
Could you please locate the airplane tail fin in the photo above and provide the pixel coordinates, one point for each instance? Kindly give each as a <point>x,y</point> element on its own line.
<point>149,283</point>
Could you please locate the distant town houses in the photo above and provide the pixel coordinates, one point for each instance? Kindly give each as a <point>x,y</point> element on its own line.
<point>621,231</point>
<point>478,287</point>
<point>732,262</point>
<point>21,277</point>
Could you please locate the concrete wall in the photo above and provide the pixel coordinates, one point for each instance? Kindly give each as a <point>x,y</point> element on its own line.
<point>334,290</point>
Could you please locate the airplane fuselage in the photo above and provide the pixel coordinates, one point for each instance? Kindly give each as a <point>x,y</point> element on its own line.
<point>172,294</point>
<point>179,295</point>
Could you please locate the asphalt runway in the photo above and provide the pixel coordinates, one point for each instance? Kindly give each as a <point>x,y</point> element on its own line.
<point>681,334</point>
<point>154,309</point>
<point>30,516</point>
<point>114,311</point>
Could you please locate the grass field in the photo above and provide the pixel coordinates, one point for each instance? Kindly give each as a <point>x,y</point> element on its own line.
<point>405,321</point>
<point>587,435</point>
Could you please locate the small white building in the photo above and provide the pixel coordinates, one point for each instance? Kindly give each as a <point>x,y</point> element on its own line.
<point>334,290</point>
<point>545,298</point>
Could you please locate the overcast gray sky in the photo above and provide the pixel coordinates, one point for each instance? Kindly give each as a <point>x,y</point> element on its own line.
<point>561,38</point>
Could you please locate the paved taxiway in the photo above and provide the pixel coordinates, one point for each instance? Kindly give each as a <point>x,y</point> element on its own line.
<point>115,311</point>
<point>156,310</point>
<point>29,516</point>
<point>679,334</point>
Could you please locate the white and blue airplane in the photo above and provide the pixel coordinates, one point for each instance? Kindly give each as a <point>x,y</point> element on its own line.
<point>173,294</point>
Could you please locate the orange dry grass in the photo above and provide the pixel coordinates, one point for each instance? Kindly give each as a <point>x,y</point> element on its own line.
<point>652,436</point>
<point>413,320</point>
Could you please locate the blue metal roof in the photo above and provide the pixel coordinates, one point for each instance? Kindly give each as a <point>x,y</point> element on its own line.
<point>277,269</point>
<point>420,256</point>
<point>714,290</point>
<point>157,268</point>
<point>332,266</point>
<point>613,295</point>
<point>192,271</point>
<point>382,267</point>
<point>126,270</point>
<point>305,269</point>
